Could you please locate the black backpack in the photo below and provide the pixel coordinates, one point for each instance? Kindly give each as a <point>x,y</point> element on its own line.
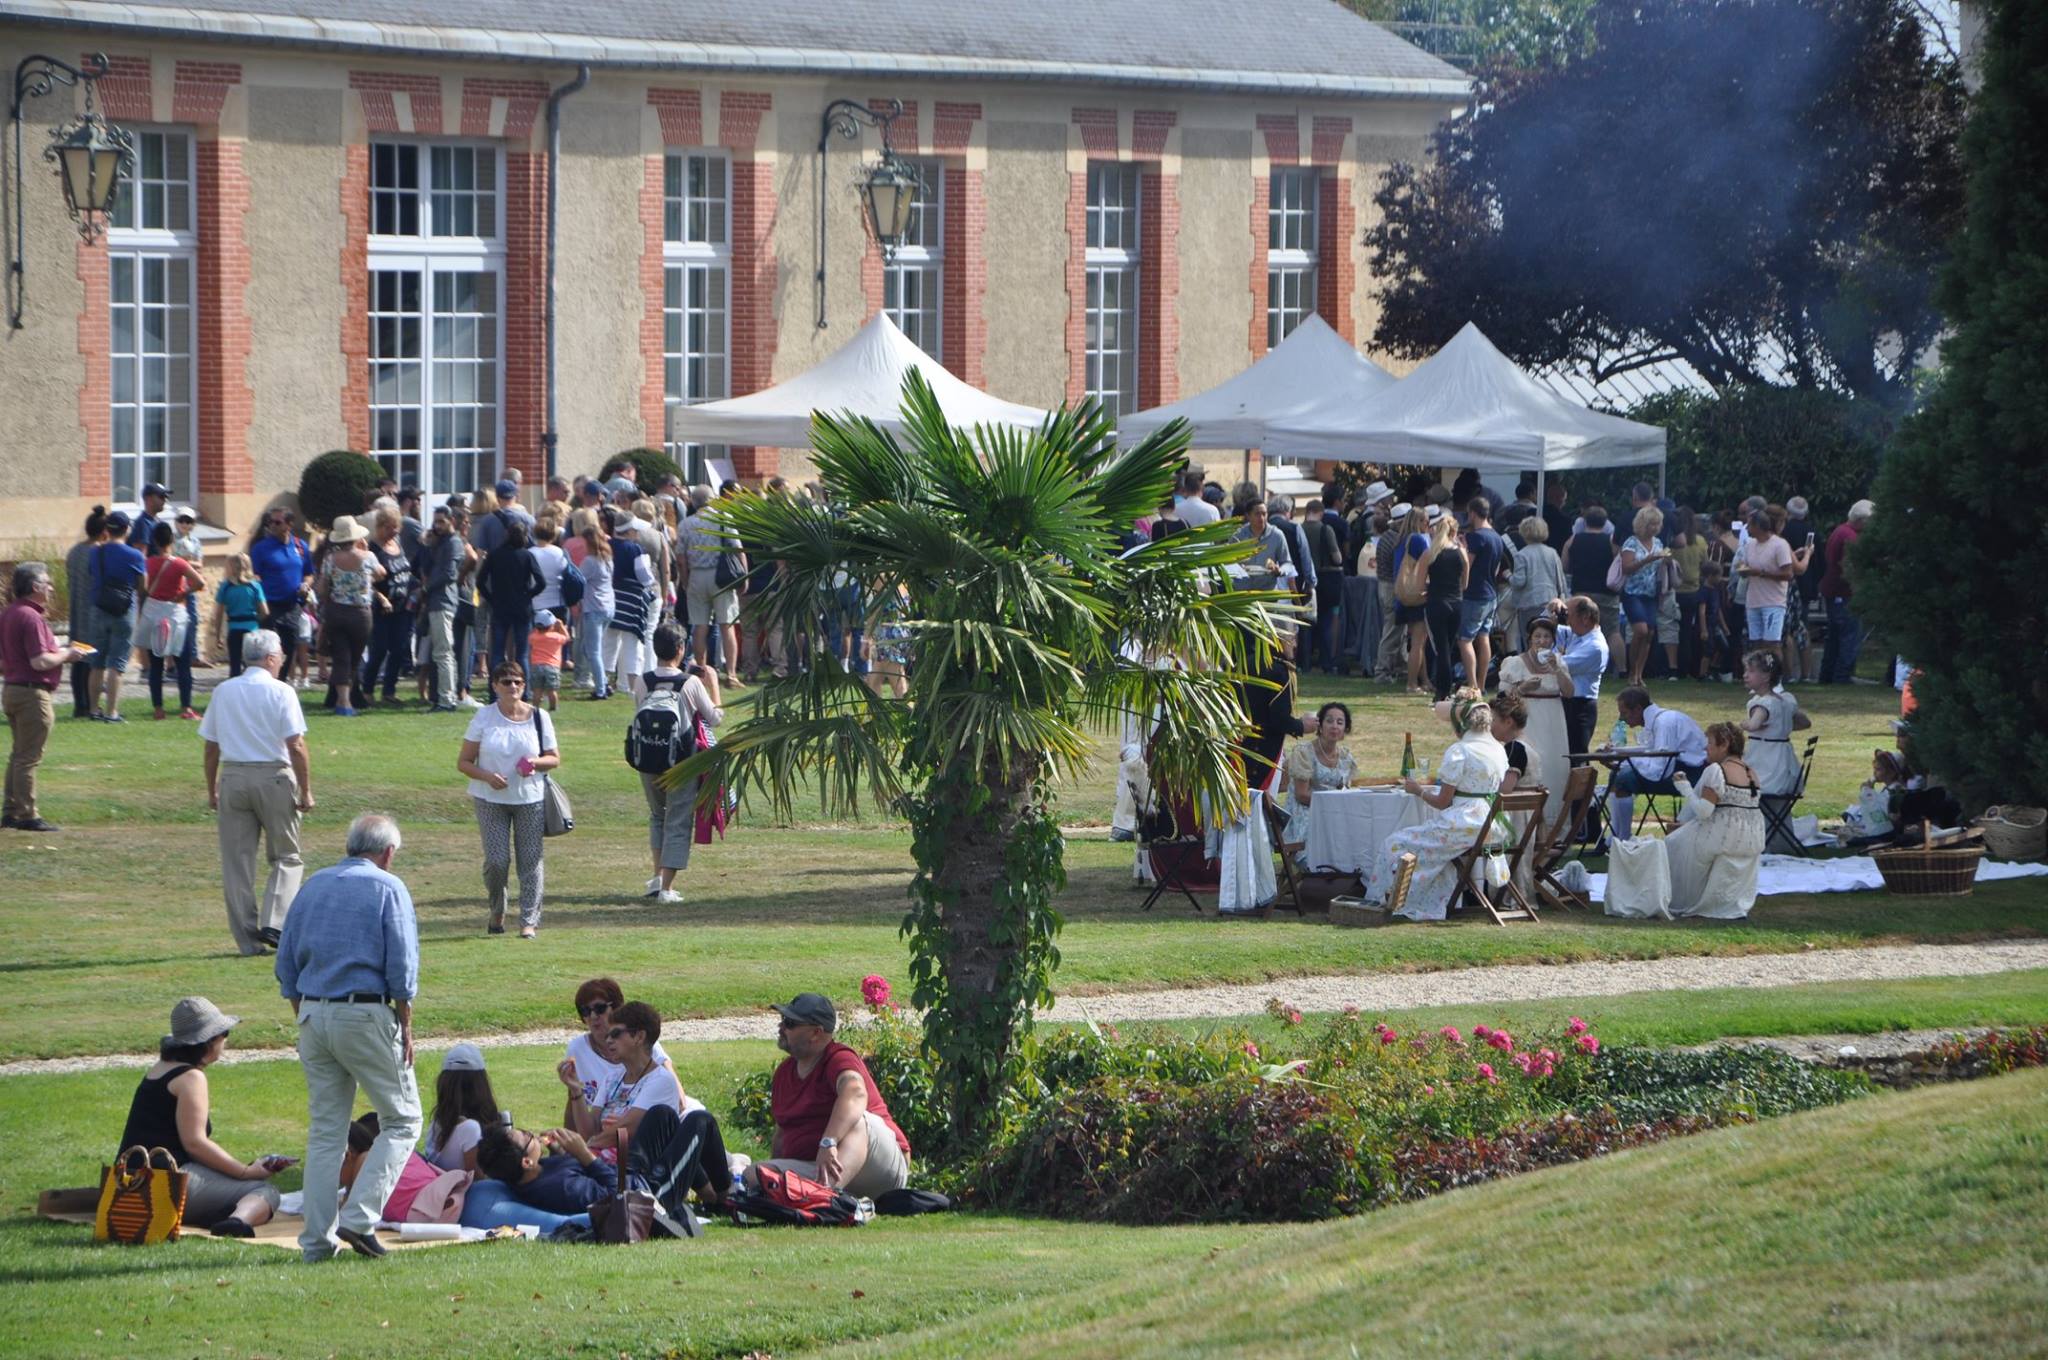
<point>663,732</point>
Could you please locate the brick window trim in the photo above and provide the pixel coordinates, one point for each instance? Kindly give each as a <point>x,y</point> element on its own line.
<point>1336,221</point>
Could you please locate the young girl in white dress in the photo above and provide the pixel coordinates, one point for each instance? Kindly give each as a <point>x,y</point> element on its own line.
<point>1471,773</point>
<point>1719,843</point>
<point>1772,717</point>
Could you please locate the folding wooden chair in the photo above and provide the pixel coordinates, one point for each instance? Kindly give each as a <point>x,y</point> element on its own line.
<point>1778,808</point>
<point>1166,846</point>
<point>1527,804</point>
<point>1289,894</point>
<point>1472,883</point>
<point>1555,841</point>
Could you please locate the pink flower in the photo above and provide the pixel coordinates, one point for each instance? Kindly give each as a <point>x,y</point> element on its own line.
<point>1251,1050</point>
<point>1428,1090</point>
<point>874,989</point>
<point>1388,1036</point>
<point>1481,1031</point>
<point>1502,1040</point>
<point>1577,1026</point>
<point>1451,1036</point>
<point>1351,1010</point>
<point>1588,1044</point>
<point>1486,1071</point>
<point>1293,1016</point>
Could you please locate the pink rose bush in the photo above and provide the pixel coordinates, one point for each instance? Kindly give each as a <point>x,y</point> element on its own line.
<point>874,989</point>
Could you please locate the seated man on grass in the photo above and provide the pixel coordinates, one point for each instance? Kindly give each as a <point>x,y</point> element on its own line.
<point>557,1172</point>
<point>831,1122</point>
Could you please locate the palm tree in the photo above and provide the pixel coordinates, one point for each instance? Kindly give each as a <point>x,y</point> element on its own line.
<point>1028,628</point>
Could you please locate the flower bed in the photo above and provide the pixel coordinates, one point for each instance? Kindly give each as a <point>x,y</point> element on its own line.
<point>1155,1125</point>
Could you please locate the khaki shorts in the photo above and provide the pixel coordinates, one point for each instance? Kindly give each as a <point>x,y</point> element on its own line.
<point>886,1168</point>
<point>708,604</point>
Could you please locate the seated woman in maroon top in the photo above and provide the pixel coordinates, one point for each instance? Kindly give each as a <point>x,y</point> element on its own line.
<point>831,1122</point>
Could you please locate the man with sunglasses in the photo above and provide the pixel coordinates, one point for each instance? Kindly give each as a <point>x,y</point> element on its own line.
<point>831,1122</point>
<point>283,563</point>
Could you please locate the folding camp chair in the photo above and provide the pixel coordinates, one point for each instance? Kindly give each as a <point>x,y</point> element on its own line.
<point>1526,804</point>
<point>1779,807</point>
<point>1554,842</point>
<point>1289,894</point>
<point>1472,883</point>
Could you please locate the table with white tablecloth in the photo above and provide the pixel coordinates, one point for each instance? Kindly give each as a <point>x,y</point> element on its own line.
<point>1347,827</point>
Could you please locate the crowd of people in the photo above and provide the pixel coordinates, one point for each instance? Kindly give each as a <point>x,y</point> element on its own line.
<point>348,965</point>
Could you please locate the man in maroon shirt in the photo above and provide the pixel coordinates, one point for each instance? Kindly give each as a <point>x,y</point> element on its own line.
<point>831,1124</point>
<point>30,664</point>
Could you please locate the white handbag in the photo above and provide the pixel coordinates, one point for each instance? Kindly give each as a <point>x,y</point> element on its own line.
<point>1639,879</point>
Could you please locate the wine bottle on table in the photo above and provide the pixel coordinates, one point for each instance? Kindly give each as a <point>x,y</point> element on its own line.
<point>1408,755</point>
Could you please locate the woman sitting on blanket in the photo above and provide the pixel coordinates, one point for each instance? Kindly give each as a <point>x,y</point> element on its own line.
<point>171,1110</point>
<point>464,1106</point>
<point>1470,775</point>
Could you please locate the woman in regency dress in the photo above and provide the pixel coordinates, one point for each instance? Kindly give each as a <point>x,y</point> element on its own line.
<point>1716,849</point>
<point>1311,767</point>
<point>1772,717</point>
<point>1468,777</point>
<point>1539,679</point>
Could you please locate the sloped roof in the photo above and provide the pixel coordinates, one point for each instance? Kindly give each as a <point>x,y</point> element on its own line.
<point>1299,46</point>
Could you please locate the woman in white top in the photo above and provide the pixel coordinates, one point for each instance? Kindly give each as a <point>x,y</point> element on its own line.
<point>549,559</point>
<point>588,1070</point>
<point>1715,852</point>
<point>672,813</point>
<point>1471,773</point>
<point>507,752</point>
<point>1313,765</point>
<point>639,1079</point>
<point>464,1106</point>
<point>1538,677</point>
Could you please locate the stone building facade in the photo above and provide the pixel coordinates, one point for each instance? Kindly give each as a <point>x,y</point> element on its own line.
<point>341,244</point>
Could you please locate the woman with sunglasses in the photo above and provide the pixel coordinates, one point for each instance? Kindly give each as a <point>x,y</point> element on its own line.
<point>589,1071</point>
<point>507,752</point>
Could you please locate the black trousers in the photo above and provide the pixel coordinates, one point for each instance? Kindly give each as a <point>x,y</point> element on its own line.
<point>81,692</point>
<point>1442,617</point>
<point>674,1154</point>
<point>1580,718</point>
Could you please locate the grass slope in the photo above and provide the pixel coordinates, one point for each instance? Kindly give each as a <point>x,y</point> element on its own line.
<point>1904,1225</point>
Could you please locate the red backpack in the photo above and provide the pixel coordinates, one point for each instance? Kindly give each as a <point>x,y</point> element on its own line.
<point>797,1201</point>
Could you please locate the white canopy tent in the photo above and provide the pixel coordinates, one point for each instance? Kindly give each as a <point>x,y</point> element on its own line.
<point>1468,405</point>
<point>1312,365</point>
<point>865,377</point>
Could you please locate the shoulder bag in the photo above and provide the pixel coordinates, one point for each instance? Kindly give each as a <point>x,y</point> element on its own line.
<point>142,1198</point>
<point>628,1216</point>
<point>557,818</point>
<point>107,597</point>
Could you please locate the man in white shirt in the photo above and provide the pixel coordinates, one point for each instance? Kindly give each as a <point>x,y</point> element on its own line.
<point>258,780</point>
<point>1189,507</point>
<point>1664,729</point>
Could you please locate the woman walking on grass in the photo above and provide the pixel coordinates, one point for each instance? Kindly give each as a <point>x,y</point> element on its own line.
<point>507,752</point>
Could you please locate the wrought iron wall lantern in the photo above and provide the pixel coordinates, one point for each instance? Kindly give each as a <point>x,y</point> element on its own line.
<point>889,187</point>
<point>90,154</point>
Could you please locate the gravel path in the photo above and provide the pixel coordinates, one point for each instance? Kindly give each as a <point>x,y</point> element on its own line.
<point>1368,991</point>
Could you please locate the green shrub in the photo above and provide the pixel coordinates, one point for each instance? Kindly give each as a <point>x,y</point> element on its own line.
<point>1752,1079</point>
<point>334,484</point>
<point>649,467</point>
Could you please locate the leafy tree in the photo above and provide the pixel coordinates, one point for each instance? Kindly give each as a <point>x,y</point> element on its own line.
<point>335,483</point>
<point>649,466</point>
<point>1489,32</point>
<point>1762,188</point>
<point>999,549</point>
<point>1954,561</point>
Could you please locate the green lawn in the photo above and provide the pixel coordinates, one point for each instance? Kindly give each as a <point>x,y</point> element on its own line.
<point>107,922</point>
<point>1903,1225</point>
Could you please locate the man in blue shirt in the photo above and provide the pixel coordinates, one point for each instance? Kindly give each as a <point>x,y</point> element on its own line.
<point>1485,551</point>
<point>282,561</point>
<point>154,497</point>
<point>117,572</point>
<point>1583,649</point>
<point>349,963</point>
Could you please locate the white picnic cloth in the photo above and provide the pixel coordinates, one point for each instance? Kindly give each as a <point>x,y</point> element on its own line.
<point>1850,873</point>
<point>1347,827</point>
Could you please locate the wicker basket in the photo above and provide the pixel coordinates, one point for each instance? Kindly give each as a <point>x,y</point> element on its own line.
<point>1356,911</point>
<point>2015,833</point>
<point>1914,872</point>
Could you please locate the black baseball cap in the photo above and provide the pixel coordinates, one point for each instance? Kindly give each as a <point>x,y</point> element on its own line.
<point>809,1008</point>
<point>157,489</point>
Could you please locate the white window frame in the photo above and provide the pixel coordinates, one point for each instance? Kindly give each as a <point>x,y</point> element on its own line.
<point>1115,267</point>
<point>682,257</point>
<point>914,283</point>
<point>1294,208</point>
<point>431,256</point>
<point>137,246</point>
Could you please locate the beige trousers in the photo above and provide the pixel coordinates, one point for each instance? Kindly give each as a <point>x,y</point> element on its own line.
<point>31,712</point>
<point>258,799</point>
<point>343,1046</point>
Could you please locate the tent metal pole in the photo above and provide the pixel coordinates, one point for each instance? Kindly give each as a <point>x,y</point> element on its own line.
<point>1663,470</point>
<point>1540,501</point>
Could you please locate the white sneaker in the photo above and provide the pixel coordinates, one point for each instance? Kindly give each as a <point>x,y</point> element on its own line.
<point>654,884</point>
<point>668,895</point>
<point>467,701</point>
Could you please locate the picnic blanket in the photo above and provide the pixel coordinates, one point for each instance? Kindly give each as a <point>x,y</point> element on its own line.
<point>1847,873</point>
<point>59,1206</point>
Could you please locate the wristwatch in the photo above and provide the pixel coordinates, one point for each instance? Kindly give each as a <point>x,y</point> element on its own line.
<point>824,1143</point>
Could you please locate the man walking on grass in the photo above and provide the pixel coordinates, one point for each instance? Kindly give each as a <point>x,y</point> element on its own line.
<point>259,782</point>
<point>349,963</point>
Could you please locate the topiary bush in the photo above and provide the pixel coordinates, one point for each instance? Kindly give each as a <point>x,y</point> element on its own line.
<point>649,467</point>
<point>335,483</point>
